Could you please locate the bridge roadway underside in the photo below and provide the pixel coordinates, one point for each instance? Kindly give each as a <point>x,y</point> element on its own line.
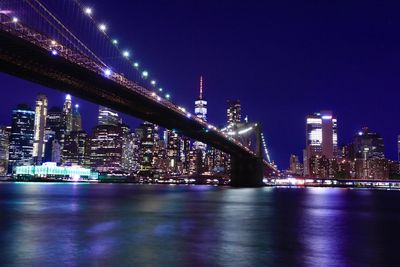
<point>27,61</point>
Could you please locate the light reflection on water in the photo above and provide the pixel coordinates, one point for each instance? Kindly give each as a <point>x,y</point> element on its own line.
<point>141,225</point>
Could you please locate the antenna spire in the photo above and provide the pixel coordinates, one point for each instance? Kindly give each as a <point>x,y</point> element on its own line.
<point>201,87</point>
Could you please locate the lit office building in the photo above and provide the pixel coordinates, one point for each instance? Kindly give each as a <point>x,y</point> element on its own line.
<point>106,147</point>
<point>130,153</point>
<point>368,145</point>
<point>67,113</point>
<point>321,138</point>
<point>108,116</point>
<point>76,119</point>
<point>21,138</point>
<point>39,139</point>
<point>4,149</point>
<point>184,151</point>
<point>56,123</point>
<point>173,142</point>
<point>201,112</point>
<point>146,133</point>
<point>75,149</point>
<point>234,112</point>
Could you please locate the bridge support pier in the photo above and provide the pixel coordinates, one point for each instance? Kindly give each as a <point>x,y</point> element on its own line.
<point>247,172</point>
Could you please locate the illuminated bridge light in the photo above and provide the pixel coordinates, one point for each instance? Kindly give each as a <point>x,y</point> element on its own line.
<point>53,42</point>
<point>103,27</point>
<point>126,54</point>
<point>158,98</point>
<point>15,19</point>
<point>153,94</point>
<point>153,82</point>
<point>160,89</point>
<point>54,52</point>
<point>136,65</point>
<point>115,41</point>
<point>167,96</point>
<point>107,72</point>
<point>88,11</point>
<point>189,115</point>
<point>145,74</point>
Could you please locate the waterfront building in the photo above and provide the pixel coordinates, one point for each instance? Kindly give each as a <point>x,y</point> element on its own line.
<point>108,116</point>
<point>233,112</point>
<point>4,149</point>
<point>373,168</point>
<point>184,151</point>
<point>21,137</point>
<point>51,170</point>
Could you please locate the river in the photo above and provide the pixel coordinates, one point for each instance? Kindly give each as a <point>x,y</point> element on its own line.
<point>66,224</point>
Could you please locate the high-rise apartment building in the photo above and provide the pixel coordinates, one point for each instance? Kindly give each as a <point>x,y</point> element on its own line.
<point>39,139</point>
<point>368,145</point>
<point>130,153</point>
<point>21,138</point>
<point>146,133</point>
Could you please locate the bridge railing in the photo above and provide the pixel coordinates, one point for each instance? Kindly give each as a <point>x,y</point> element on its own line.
<point>41,40</point>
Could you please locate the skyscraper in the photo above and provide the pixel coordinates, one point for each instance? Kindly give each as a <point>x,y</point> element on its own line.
<point>321,132</point>
<point>130,153</point>
<point>173,142</point>
<point>55,122</point>
<point>76,119</point>
<point>75,149</point>
<point>39,129</point>
<point>21,139</point>
<point>67,113</point>
<point>4,149</point>
<point>368,145</point>
<point>201,112</point>
<point>234,112</point>
<point>108,116</point>
<point>146,134</point>
<point>201,104</point>
<point>321,141</point>
<point>106,147</point>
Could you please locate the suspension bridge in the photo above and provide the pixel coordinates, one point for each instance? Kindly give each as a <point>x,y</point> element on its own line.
<point>62,45</point>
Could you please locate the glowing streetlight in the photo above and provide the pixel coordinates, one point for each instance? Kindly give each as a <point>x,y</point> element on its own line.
<point>167,96</point>
<point>15,19</point>
<point>153,82</point>
<point>160,89</point>
<point>136,65</point>
<point>115,41</point>
<point>145,74</point>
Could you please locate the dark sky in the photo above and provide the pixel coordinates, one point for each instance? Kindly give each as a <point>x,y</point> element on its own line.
<point>282,59</point>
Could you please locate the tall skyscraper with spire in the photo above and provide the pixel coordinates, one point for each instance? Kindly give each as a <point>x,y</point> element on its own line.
<point>67,112</point>
<point>39,128</point>
<point>201,112</point>
<point>201,104</point>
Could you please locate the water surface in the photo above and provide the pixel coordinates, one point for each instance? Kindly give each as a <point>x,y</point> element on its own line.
<point>43,224</point>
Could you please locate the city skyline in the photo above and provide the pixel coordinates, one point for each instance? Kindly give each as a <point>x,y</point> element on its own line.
<point>276,93</point>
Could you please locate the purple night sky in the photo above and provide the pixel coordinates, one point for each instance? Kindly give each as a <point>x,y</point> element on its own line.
<point>282,59</point>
